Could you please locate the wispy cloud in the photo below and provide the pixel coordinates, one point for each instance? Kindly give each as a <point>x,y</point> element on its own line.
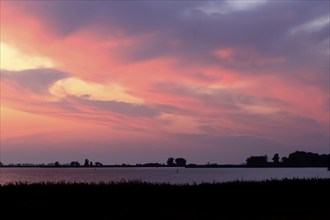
<point>313,26</point>
<point>205,70</point>
<point>230,6</point>
<point>36,80</point>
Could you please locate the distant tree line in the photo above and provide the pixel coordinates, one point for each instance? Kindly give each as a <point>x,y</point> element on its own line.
<point>87,163</point>
<point>296,159</point>
<point>180,162</point>
<point>171,162</point>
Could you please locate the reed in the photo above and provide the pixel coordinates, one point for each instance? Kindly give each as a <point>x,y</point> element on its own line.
<point>270,199</point>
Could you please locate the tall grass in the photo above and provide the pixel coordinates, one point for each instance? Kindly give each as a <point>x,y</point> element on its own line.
<point>269,199</point>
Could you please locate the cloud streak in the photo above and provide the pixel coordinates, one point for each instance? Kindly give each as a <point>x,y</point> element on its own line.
<point>36,80</point>
<point>158,70</point>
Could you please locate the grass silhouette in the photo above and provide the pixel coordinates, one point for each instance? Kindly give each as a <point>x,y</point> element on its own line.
<point>270,199</point>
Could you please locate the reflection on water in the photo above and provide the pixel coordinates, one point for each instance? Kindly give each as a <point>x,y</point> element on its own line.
<point>168,175</point>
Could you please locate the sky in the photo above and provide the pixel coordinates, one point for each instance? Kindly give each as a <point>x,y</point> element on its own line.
<point>142,81</point>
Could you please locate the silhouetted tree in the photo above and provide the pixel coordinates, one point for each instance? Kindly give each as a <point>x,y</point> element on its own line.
<point>257,160</point>
<point>1,164</point>
<point>98,164</point>
<point>57,164</point>
<point>152,165</point>
<point>284,160</point>
<point>86,164</point>
<point>170,161</point>
<point>180,162</point>
<point>301,158</point>
<point>91,163</point>
<point>75,164</point>
<point>276,159</point>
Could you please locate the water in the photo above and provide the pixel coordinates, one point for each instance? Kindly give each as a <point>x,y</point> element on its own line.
<point>156,175</point>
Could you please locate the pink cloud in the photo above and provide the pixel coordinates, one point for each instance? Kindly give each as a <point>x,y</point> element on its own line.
<point>165,90</point>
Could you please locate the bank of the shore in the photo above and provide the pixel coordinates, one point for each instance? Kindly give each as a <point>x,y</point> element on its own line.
<point>276,199</point>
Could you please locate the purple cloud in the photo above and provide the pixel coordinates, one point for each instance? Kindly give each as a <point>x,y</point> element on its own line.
<point>35,80</point>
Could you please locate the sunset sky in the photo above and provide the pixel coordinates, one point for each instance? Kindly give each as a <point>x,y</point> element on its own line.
<point>136,82</point>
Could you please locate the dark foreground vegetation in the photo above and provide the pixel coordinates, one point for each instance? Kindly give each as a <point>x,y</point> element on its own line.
<point>275,199</point>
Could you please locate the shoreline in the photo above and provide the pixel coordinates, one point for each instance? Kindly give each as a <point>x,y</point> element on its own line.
<point>190,167</point>
<point>159,184</point>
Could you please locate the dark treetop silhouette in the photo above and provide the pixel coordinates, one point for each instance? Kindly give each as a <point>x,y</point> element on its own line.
<point>296,159</point>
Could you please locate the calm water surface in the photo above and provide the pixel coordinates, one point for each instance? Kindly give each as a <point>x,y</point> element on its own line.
<point>156,175</point>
